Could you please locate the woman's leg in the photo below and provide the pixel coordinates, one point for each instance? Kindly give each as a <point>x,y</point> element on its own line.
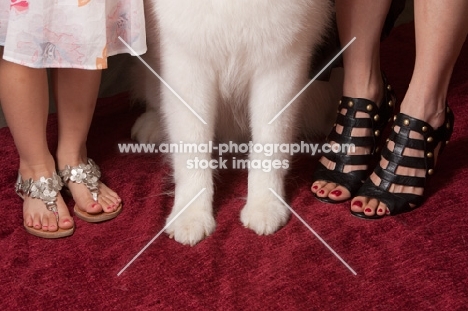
<point>25,102</point>
<point>76,93</point>
<point>364,20</point>
<point>441,29</point>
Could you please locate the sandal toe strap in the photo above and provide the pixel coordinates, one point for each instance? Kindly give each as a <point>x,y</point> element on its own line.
<point>396,202</point>
<point>352,181</point>
<point>87,174</point>
<point>45,189</point>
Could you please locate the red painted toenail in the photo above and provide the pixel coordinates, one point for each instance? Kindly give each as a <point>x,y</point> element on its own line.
<point>380,210</point>
<point>357,203</point>
<point>315,187</point>
<point>321,192</point>
<point>367,210</point>
<point>336,193</point>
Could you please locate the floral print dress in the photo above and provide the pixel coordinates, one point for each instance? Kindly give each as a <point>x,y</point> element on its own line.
<point>70,33</point>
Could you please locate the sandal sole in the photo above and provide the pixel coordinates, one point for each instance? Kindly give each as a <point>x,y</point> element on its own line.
<point>95,218</point>
<point>60,233</point>
<point>329,201</point>
<point>364,216</point>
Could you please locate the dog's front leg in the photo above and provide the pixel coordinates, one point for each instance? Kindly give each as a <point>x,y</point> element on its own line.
<point>270,92</point>
<point>191,175</point>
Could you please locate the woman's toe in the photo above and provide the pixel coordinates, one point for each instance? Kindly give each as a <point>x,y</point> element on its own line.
<point>358,203</point>
<point>326,190</point>
<point>381,209</point>
<point>316,186</point>
<point>371,207</point>
<point>322,193</point>
<point>339,194</point>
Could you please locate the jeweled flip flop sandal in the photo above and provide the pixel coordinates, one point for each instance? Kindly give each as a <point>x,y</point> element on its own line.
<point>45,189</point>
<point>431,138</point>
<point>88,174</point>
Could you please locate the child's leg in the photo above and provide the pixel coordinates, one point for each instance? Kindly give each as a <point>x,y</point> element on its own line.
<point>76,92</point>
<point>25,101</point>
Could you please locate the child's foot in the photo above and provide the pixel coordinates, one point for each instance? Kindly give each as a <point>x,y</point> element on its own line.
<point>91,196</point>
<point>35,213</point>
<point>107,202</point>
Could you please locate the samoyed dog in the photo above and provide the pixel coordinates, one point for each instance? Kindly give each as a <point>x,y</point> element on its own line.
<point>236,65</point>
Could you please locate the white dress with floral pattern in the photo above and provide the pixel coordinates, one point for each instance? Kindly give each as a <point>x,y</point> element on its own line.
<point>70,33</point>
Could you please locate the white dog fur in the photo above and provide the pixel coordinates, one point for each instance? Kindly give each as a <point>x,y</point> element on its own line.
<point>237,64</point>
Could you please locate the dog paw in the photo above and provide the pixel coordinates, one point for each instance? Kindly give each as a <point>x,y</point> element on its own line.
<point>147,128</point>
<point>191,226</point>
<point>264,216</point>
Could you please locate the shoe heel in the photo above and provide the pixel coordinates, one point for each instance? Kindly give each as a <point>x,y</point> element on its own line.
<point>449,123</point>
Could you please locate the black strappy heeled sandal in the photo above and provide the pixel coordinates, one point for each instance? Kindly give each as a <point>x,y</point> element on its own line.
<point>403,202</point>
<point>377,121</point>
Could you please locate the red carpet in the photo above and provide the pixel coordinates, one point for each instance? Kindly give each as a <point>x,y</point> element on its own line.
<point>415,261</point>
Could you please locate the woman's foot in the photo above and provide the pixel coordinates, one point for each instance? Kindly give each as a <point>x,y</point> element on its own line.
<point>397,184</point>
<point>359,122</point>
<point>82,179</point>
<point>36,216</point>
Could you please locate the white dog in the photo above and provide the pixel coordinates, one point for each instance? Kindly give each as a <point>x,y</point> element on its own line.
<point>237,64</point>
